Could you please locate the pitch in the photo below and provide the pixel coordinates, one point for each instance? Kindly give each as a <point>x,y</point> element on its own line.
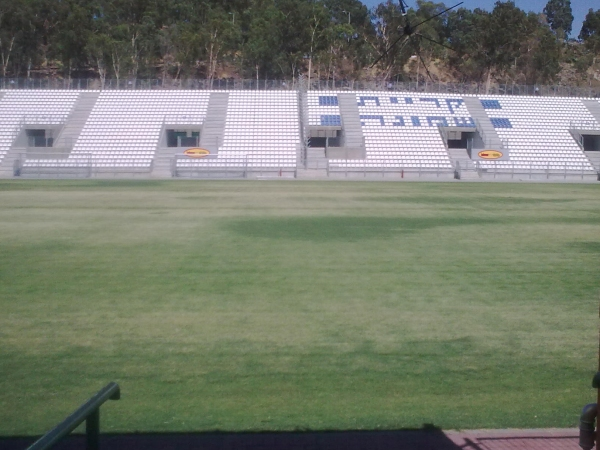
<point>269,305</point>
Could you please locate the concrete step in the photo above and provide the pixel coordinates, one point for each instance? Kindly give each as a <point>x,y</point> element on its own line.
<point>484,125</point>
<point>7,163</point>
<point>311,174</point>
<point>352,129</point>
<point>593,107</point>
<point>161,166</point>
<point>312,152</point>
<point>594,158</point>
<point>77,120</point>
<point>213,129</point>
<point>469,175</point>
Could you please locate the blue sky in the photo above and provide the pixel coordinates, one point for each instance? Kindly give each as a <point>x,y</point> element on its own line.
<point>580,7</point>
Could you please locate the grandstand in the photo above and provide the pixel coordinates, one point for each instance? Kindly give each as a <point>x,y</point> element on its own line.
<point>249,133</point>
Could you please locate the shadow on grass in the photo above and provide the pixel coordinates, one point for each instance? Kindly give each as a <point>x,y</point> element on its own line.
<point>428,437</point>
<point>323,229</point>
<point>349,228</point>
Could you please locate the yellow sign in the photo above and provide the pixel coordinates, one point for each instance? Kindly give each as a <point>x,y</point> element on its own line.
<point>196,153</point>
<point>490,154</point>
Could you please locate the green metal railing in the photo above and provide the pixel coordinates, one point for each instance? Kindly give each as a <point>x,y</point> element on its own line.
<point>88,412</point>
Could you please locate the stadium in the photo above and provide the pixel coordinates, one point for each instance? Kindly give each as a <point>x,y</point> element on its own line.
<point>297,134</point>
<point>303,225</point>
<point>233,260</point>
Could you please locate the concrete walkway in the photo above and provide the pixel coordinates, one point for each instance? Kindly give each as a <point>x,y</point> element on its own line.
<point>546,439</point>
<point>427,438</point>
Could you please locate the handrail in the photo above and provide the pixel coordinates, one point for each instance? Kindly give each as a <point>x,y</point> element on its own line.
<point>88,412</point>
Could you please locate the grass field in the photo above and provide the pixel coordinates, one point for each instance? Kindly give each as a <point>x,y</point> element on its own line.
<point>298,305</point>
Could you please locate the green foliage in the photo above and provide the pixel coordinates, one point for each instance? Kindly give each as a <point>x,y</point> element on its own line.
<point>276,306</point>
<point>560,16</point>
<point>590,31</point>
<point>332,39</point>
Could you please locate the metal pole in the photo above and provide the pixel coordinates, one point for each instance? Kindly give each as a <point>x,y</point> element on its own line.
<point>92,430</point>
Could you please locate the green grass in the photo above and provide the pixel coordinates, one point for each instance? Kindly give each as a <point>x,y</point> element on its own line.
<point>286,305</point>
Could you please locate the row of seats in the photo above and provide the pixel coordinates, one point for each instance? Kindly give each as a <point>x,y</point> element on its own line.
<point>135,121</point>
<point>536,128</point>
<point>252,126</point>
<point>539,131</point>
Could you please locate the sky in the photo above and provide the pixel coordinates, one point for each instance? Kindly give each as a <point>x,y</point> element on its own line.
<point>580,7</point>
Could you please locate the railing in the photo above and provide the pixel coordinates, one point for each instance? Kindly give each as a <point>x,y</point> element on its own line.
<point>576,125</point>
<point>482,135</point>
<point>59,162</point>
<point>88,412</point>
<point>244,166</point>
<point>465,166</point>
<point>349,85</point>
<point>386,166</point>
<point>535,170</point>
<point>183,119</point>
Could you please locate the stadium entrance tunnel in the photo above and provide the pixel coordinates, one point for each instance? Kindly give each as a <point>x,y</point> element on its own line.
<point>587,136</point>
<point>182,138</point>
<point>462,140</point>
<point>325,136</point>
<point>39,139</point>
<point>591,142</point>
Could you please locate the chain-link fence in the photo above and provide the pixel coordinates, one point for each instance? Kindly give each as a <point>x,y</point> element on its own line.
<point>320,85</point>
<point>139,84</point>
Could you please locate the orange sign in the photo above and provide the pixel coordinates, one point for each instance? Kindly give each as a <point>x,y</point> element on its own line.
<point>490,154</point>
<point>196,153</point>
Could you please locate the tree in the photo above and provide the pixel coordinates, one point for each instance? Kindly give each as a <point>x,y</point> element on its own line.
<point>539,61</point>
<point>262,39</point>
<point>389,24</point>
<point>215,34</point>
<point>464,32</point>
<point>560,16</point>
<point>70,42</point>
<point>590,31</point>
<point>10,32</point>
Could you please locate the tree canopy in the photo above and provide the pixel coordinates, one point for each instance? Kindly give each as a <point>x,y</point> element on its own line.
<point>560,16</point>
<point>327,39</point>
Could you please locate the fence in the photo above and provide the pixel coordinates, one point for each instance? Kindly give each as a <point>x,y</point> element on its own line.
<point>386,166</point>
<point>31,164</point>
<point>576,125</point>
<point>139,84</point>
<point>497,169</point>
<point>319,85</point>
<point>213,166</point>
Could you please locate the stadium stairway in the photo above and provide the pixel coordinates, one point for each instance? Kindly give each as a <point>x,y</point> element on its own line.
<point>593,107</point>
<point>316,164</point>
<point>315,158</point>
<point>484,124</point>
<point>5,172</point>
<point>8,162</point>
<point>213,128</point>
<point>162,164</point>
<point>211,137</point>
<point>353,134</point>
<point>460,158</point>
<point>76,121</point>
<point>594,158</point>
